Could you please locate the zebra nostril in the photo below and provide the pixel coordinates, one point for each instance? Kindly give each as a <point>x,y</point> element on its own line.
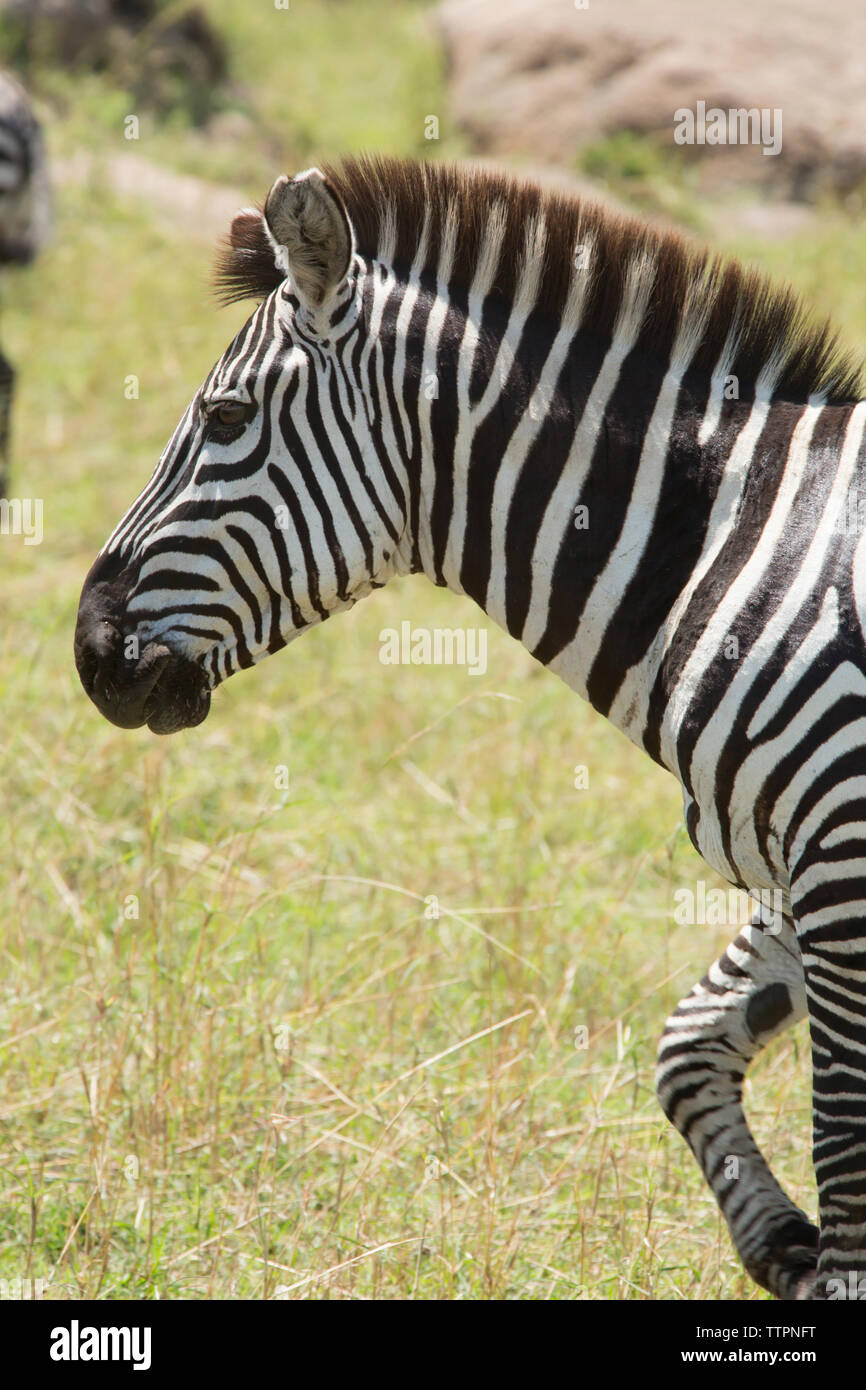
<point>105,639</point>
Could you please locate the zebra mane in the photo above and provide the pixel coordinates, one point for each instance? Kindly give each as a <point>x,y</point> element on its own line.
<point>535,243</point>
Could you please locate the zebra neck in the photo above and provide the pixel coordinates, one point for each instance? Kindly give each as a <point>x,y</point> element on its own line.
<point>575,489</point>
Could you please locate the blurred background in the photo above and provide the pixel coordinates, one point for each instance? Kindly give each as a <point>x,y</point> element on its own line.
<point>231,957</point>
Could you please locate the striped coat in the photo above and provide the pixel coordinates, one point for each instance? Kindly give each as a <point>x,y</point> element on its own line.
<point>646,464</point>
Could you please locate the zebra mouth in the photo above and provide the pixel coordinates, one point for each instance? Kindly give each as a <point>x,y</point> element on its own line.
<point>160,688</point>
<point>179,698</point>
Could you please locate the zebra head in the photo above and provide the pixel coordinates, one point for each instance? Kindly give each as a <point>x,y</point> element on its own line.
<point>275,503</point>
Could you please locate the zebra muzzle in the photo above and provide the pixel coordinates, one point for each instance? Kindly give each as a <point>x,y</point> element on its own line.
<point>155,686</point>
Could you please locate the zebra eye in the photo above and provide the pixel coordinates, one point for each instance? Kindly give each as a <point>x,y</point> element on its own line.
<point>226,419</point>
<point>233,413</point>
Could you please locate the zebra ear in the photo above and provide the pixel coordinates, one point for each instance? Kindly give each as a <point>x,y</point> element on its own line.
<point>312,235</point>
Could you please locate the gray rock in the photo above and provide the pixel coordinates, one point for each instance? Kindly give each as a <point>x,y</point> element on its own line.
<point>545,78</point>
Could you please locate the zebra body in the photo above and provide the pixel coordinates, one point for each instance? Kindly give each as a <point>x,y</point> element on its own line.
<point>24,214</point>
<point>447,373</point>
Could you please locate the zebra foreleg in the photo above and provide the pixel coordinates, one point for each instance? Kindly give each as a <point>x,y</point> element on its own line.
<point>827,885</point>
<point>7,380</point>
<point>750,995</point>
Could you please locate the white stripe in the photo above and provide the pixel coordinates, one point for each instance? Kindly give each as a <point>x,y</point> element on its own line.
<point>819,636</point>
<point>622,564</point>
<point>735,602</point>
<point>722,521</point>
<point>566,494</point>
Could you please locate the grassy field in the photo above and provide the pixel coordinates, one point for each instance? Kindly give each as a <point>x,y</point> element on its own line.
<point>241,1056</point>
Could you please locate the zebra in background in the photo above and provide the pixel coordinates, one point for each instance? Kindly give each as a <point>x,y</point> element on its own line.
<point>712,605</point>
<point>24,215</point>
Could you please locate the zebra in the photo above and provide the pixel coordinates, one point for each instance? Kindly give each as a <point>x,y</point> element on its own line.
<point>24,215</point>
<point>712,607</point>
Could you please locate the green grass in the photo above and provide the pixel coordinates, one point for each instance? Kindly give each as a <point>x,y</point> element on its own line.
<point>306,83</point>
<point>643,171</point>
<point>233,1093</point>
